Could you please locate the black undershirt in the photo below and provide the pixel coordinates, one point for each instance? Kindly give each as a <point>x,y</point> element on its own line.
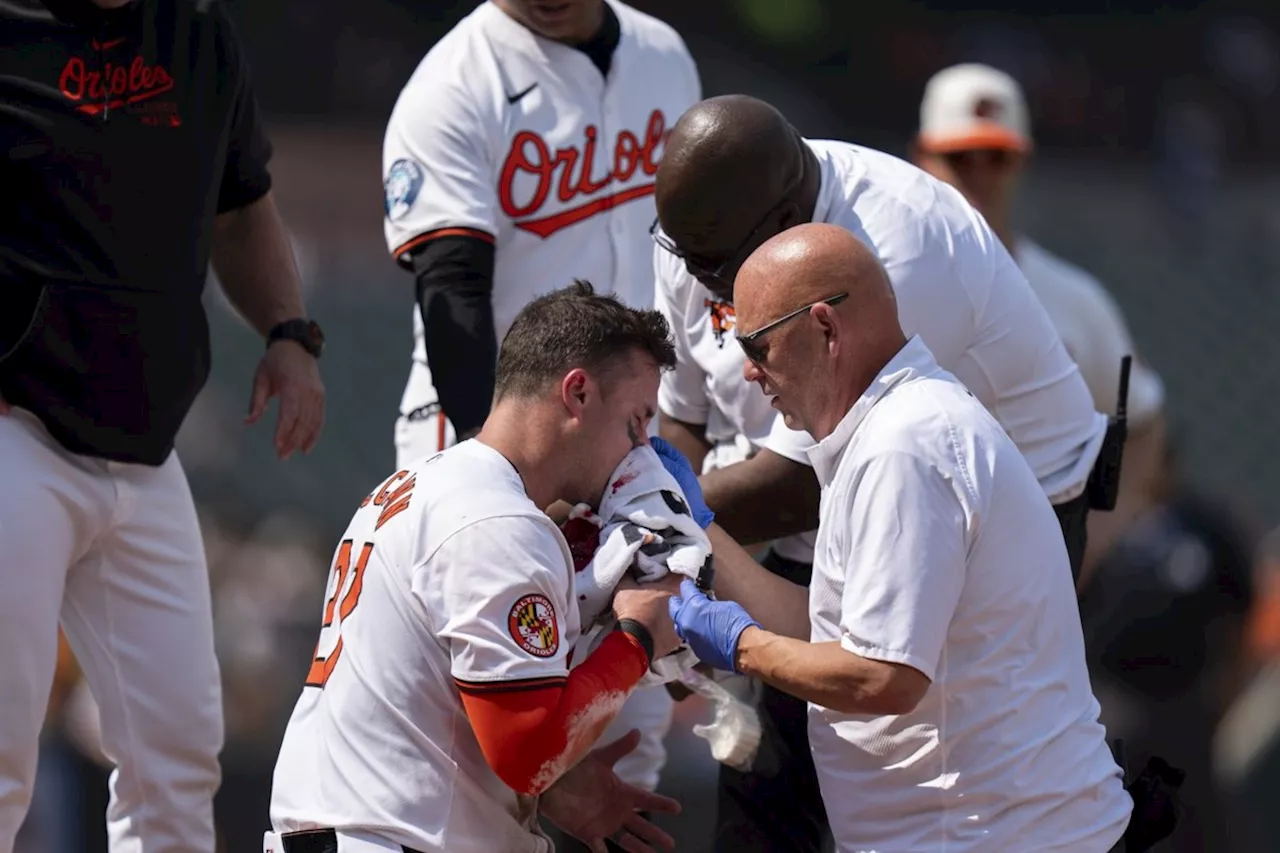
<point>455,295</point>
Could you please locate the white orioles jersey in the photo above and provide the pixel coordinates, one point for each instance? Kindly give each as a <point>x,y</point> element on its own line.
<point>447,573</point>
<point>516,139</point>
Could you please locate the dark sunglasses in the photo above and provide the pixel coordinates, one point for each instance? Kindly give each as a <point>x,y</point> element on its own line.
<point>751,343</point>
<point>703,268</point>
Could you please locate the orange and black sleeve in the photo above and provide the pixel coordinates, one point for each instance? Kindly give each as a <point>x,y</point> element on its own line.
<point>454,272</point>
<point>532,731</point>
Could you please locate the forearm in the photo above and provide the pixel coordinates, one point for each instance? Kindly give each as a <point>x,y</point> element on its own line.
<point>822,673</point>
<point>531,737</point>
<point>779,605</point>
<point>254,262</point>
<point>455,299</point>
<point>764,497</point>
<point>689,439</point>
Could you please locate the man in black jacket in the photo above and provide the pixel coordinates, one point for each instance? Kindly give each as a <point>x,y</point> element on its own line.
<point>133,156</point>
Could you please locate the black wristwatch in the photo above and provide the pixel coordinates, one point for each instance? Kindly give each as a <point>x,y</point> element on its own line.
<point>306,333</point>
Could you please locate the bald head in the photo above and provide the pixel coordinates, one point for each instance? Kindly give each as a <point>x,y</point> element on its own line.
<point>729,168</point>
<point>809,263</point>
<point>719,147</point>
<point>850,332</point>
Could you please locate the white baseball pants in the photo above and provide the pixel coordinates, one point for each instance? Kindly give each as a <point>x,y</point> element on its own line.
<point>648,709</point>
<point>113,552</point>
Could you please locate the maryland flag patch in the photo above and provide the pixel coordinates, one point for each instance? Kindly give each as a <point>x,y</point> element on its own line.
<point>532,623</point>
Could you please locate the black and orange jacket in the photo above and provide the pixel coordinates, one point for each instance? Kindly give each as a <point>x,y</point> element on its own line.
<point>122,134</point>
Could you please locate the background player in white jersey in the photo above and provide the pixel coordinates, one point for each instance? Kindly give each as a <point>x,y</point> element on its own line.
<point>975,134</point>
<point>736,173</point>
<point>521,154</point>
<point>440,709</point>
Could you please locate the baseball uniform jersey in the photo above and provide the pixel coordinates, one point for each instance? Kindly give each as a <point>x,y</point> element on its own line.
<point>521,140</point>
<point>957,288</point>
<point>1092,329</point>
<point>448,575</point>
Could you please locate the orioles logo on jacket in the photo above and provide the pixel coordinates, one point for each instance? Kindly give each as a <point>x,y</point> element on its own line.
<point>722,317</point>
<point>569,171</point>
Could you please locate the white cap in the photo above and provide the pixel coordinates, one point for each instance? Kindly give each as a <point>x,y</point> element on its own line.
<point>973,106</point>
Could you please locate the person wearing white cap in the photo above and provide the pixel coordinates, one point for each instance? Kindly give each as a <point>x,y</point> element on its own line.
<point>975,134</point>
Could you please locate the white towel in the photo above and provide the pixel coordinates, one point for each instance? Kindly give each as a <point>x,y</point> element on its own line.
<point>643,528</point>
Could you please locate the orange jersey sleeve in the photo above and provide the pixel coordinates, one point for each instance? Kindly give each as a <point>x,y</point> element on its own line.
<point>531,732</point>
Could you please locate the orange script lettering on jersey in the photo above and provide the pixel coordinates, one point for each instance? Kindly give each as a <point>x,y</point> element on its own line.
<point>393,496</point>
<point>531,155</point>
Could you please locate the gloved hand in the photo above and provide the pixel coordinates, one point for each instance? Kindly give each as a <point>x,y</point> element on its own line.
<point>711,628</point>
<point>679,468</point>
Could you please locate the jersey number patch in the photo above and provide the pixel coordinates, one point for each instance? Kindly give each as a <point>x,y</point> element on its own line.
<point>323,664</point>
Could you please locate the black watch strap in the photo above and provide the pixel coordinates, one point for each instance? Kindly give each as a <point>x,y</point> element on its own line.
<point>306,333</point>
<point>641,633</point>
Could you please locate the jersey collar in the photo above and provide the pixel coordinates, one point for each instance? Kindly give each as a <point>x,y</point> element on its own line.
<point>827,186</point>
<point>500,26</point>
<point>913,360</point>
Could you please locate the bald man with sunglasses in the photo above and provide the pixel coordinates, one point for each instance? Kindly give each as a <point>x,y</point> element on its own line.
<point>939,646</point>
<point>736,173</point>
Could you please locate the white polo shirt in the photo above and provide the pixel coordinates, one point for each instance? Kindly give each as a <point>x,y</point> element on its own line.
<point>957,288</point>
<point>937,549</point>
<point>1093,330</point>
<point>448,573</point>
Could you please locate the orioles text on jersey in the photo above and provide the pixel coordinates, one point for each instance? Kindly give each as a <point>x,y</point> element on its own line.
<point>530,154</point>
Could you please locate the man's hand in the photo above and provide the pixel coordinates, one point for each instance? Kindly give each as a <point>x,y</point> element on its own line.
<point>289,372</point>
<point>680,469</point>
<point>647,604</point>
<point>591,803</point>
<point>711,628</point>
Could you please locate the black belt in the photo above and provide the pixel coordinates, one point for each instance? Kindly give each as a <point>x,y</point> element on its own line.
<point>315,841</point>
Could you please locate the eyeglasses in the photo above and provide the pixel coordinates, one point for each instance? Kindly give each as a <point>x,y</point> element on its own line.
<point>703,268</point>
<point>750,343</point>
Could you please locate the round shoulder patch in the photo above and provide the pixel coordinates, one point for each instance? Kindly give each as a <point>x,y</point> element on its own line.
<point>401,187</point>
<point>532,623</point>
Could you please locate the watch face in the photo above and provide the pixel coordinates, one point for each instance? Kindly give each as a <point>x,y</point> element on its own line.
<point>316,336</point>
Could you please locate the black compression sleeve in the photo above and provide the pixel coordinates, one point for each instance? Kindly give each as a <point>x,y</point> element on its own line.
<point>455,296</point>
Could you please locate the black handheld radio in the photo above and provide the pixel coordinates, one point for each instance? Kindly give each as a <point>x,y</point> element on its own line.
<point>707,575</point>
<point>1104,480</point>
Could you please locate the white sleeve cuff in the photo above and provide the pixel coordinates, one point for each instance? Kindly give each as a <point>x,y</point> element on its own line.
<point>673,407</point>
<point>789,443</point>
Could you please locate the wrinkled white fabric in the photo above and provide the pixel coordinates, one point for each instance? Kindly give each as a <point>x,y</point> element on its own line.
<point>643,528</point>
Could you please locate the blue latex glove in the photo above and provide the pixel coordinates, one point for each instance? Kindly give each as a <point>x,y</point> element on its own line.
<point>711,628</point>
<point>679,468</point>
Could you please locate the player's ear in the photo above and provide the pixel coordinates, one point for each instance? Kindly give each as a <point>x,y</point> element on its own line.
<point>575,390</point>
